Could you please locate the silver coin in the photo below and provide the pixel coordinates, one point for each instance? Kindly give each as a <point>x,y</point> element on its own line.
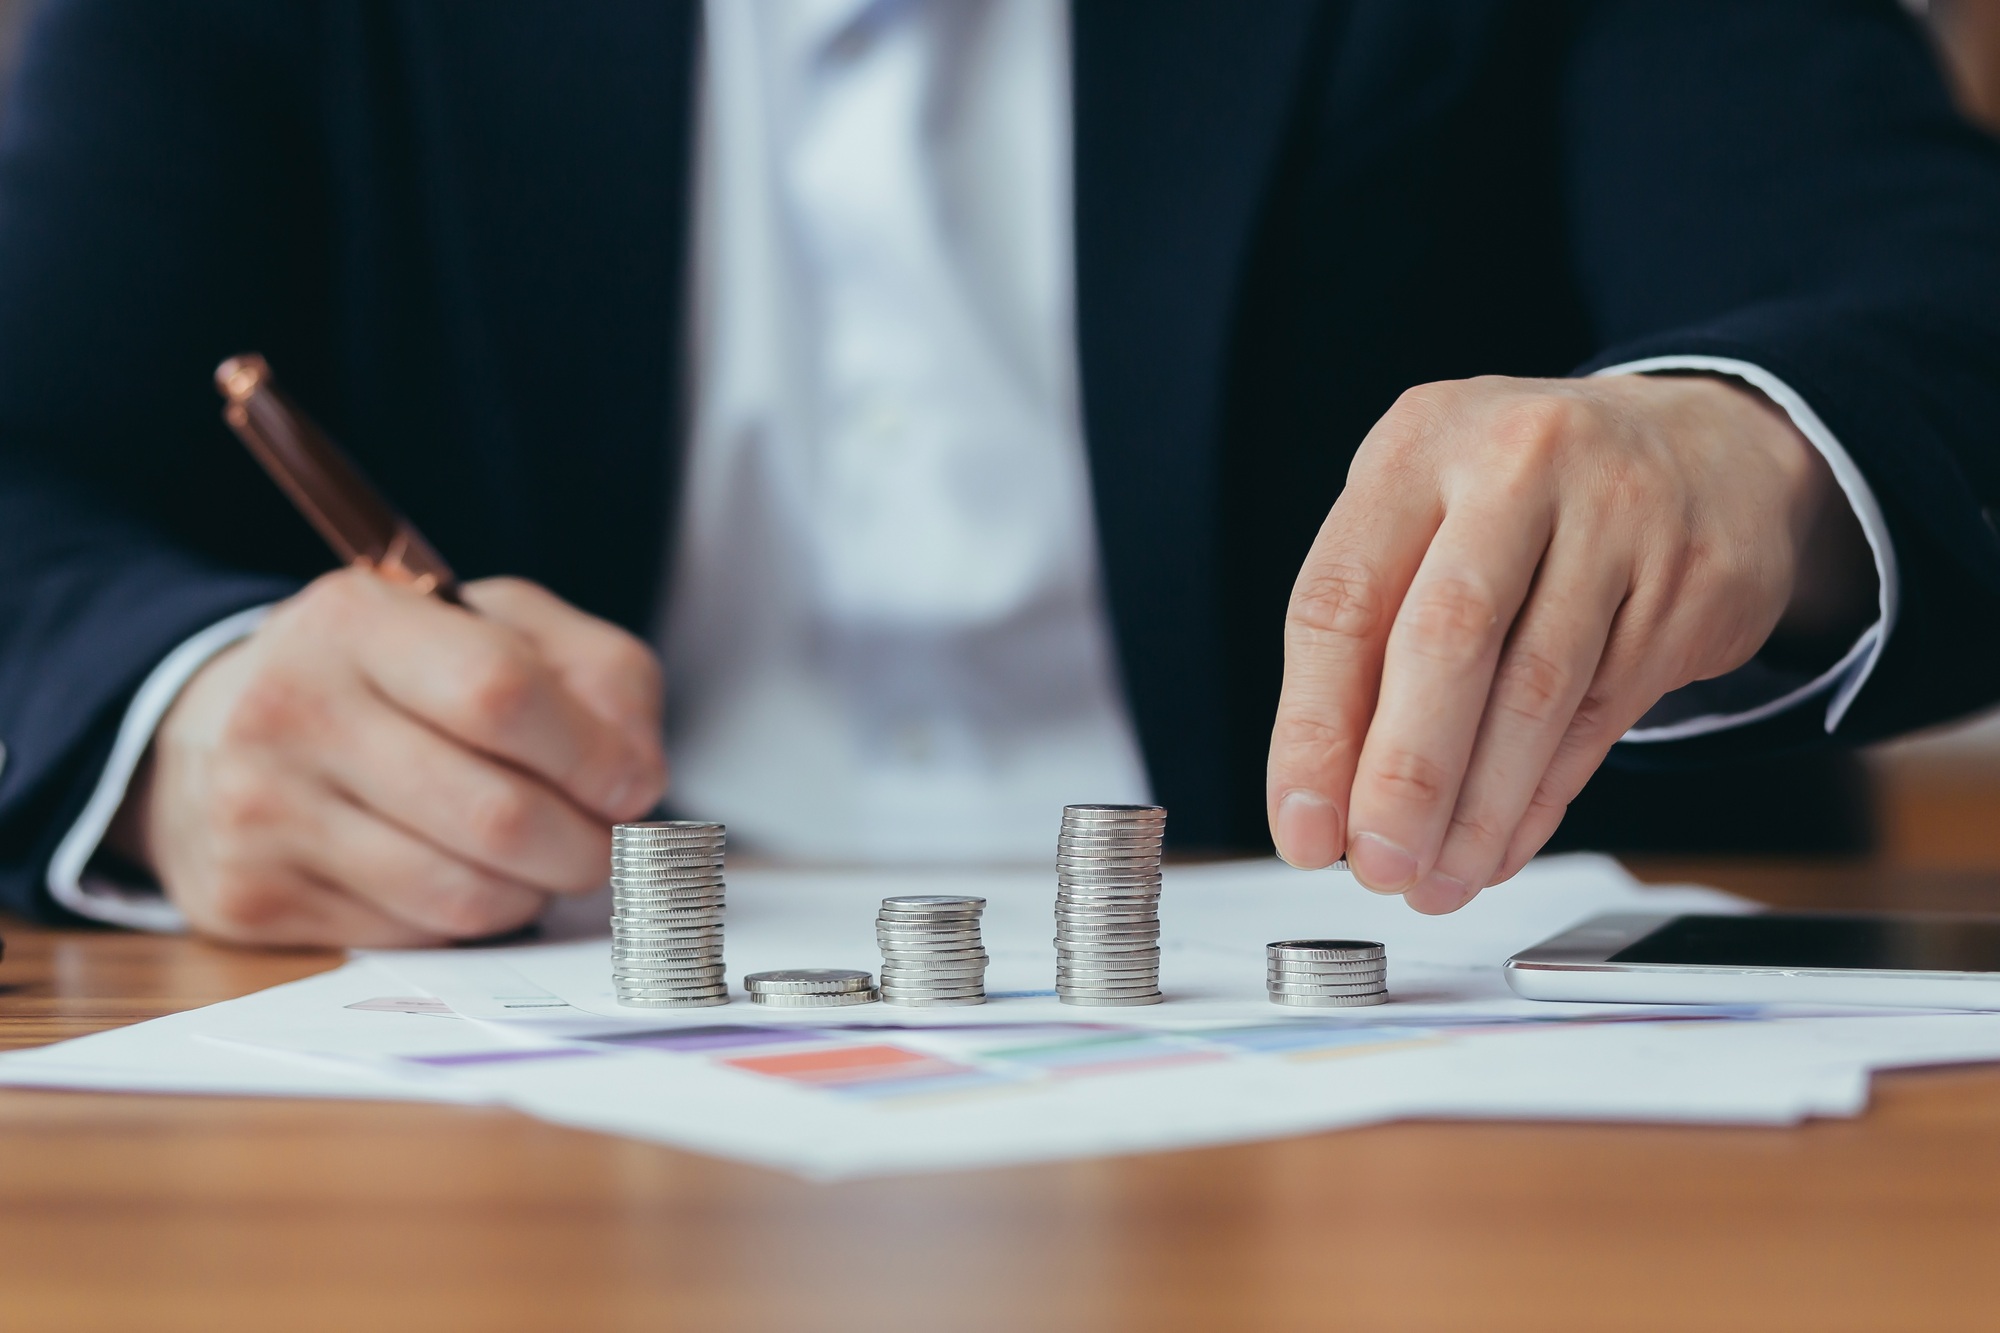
<point>1326,969</point>
<point>1327,951</point>
<point>640,982</point>
<point>1096,810</point>
<point>1086,965</point>
<point>1364,988</point>
<point>1109,992</point>
<point>821,1000</point>
<point>808,979</point>
<point>642,828</point>
<point>1075,970</point>
<point>1311,965</point>
<point>917,1002</point>
<point>671,1002</point>
<point>934,985</point>
<point>710,918</point>
<point>894,937</point>
<point>1330,1001</point>
<point>629,901</point>
<point>934,951</point>
<point>668,937</point>
<point>895,969</point>
<point>653,884</point>
<point>1106,946</point>
<point>1105,1002</point>
<point>931,902</point>
<point>644,991</point>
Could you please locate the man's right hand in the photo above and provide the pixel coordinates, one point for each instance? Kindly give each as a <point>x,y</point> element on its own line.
<point>376,767</point>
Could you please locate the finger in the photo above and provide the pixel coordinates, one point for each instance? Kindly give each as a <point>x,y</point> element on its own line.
<point>280,905</point>
<point>609,671</point>
<point>484,684</point>
<point>1436,676</point>
<point>407,878</point>
<point>1545,667</point>
<point>1335,630</point>
<point>467,805</point>
<point>1627,683</point>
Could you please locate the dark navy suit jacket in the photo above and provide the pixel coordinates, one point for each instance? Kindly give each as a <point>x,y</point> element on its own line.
<point>459,229</point>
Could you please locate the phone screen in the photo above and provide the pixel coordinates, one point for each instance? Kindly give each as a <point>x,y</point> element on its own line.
<point>1916,944</point>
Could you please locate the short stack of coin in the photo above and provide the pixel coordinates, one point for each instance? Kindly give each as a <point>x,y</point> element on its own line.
<point>666,915</point>
<point>1326,974</point>
<point>932,955</point>
<point>811,987</point>
<point>1108,904</point>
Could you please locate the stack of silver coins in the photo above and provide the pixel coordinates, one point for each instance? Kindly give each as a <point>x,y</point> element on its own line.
<point>932,955</point>
<point>811,987</point>
<point>666,915</point>
<point>1108,904</point>
<point>1326,974</point>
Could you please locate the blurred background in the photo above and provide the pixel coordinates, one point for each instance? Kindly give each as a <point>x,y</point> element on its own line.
<point>1937,795</point>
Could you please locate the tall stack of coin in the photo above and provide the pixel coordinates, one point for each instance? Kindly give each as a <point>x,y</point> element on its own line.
<point>811,987</point>
<point>1108,904</point>
<point>666,915</point>
<point>1326,974</point>
<point>932,955</point>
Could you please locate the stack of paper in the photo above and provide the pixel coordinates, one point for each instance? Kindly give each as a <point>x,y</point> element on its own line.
<point>878,1089</point>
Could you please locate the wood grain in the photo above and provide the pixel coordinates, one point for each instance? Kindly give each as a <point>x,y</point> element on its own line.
<point>221,1214</point>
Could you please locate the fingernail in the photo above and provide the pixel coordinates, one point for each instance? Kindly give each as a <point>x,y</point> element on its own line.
<point>1438,893</point>
<point>1380,864</point>
<point>1308,835</point>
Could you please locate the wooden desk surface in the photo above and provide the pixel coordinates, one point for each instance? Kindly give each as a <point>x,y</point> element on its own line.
<point>149,1213</point>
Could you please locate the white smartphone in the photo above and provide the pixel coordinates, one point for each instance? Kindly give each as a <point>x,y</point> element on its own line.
<point>1913,960</point>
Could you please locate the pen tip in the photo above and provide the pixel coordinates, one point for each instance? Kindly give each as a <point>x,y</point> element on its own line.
<point>239,376</point>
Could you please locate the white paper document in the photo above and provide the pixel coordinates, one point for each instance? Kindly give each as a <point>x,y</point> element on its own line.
<point>878,1089</point>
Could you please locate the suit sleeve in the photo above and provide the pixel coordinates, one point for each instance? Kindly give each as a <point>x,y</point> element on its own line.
<point>1785,183</point>
<point>156,214</point>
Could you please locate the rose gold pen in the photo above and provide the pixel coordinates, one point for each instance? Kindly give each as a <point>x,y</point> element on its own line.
<point>361,527</point>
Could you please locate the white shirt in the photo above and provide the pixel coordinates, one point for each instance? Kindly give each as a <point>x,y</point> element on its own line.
<point>887,637</point>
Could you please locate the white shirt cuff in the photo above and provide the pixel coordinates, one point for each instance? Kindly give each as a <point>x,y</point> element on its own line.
<point>142,907</point>
<point>1843,680</point>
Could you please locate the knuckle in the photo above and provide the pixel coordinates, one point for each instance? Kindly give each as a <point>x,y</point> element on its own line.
<point>242,802</point>
<point>335,601</point>
<point>1479,829</point>
<point>1309,738</point>
<point>498,693</point>
<point>1531,684</point>
<point>502,820</point>
<point>1335,599</point>
<point>1411,778</point>
<point>1449,619</point>
<point>271,708</point>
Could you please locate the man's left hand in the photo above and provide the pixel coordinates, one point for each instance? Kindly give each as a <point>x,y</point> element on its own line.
<point>1516,571</point>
